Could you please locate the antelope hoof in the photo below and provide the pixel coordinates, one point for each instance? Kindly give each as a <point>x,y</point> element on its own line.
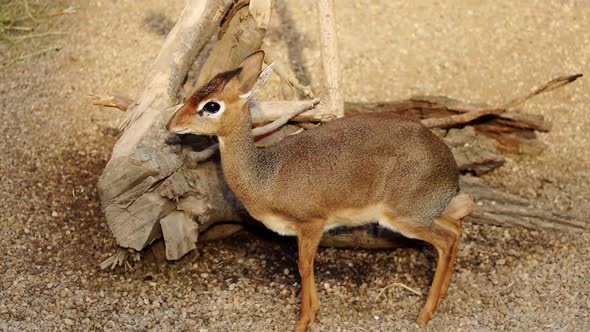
<point>313,315</point>
<point>301,325</point>
<point>424,317</point>
<point>443,294</point>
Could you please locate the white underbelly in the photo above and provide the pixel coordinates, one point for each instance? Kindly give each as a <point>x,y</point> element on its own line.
<point>356,217</point>
<point>340,218</point>
<point>279,225</point>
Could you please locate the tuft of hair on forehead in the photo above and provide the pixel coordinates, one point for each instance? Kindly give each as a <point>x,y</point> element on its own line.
<point>216,84</point>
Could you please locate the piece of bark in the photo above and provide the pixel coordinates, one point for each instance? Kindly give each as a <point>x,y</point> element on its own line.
<point>180,234</point>
<point>133,224</point>
<point>473,153</point>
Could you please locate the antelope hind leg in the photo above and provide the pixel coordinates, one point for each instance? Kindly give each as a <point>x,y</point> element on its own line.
<point>443,240</point>
<point>459,207</point>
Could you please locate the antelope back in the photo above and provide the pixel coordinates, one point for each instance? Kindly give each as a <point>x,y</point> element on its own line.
<point>361,161</point>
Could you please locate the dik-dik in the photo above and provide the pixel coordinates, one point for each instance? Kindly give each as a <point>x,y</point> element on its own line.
<point>351,171</point>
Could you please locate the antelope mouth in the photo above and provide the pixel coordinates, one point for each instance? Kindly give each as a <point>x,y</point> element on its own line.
<point>181,131</point>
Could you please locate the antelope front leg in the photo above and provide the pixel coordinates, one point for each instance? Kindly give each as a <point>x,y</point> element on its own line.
<point>308,239</point>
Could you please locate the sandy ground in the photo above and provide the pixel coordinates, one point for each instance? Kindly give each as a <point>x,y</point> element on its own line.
<point>54,145</point>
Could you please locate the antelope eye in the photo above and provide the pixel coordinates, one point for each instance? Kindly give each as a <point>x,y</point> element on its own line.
<point>211,107</point>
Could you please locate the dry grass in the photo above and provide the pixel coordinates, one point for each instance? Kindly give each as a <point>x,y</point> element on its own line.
<point>26,27</point>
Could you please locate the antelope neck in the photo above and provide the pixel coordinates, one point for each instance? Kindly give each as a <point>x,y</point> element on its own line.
<point>239,157</point>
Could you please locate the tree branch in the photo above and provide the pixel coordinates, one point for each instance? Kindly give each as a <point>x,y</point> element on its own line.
<point>121,103</point>
<point>470,116</point>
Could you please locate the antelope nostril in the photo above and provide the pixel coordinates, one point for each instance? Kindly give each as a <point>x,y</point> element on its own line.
<point>168,126</point>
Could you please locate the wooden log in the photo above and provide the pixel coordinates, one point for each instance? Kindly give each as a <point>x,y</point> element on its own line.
<point>496,207</point>
<point>140,159</point>
<point>473,151</point>
<point>149,184</point>
<point>510,131</point>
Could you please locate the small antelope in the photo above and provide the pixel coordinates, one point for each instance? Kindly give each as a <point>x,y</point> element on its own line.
<point>355,170</point>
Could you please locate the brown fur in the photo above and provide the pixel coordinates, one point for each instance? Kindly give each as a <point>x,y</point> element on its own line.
<point>354,170</point>
<point>358,161</point>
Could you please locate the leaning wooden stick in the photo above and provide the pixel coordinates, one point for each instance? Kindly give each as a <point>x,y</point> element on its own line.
<point>288,78</point>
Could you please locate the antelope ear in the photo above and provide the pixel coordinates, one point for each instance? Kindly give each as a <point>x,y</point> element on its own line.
<point>251,68</point>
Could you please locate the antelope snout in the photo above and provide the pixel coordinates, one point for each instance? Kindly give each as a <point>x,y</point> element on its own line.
<point>175,124</point>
